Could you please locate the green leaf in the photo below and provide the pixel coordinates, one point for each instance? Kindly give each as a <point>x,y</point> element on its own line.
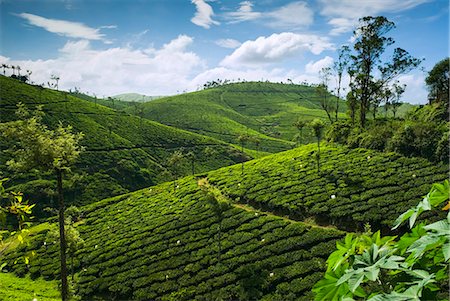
<point>327,288</point>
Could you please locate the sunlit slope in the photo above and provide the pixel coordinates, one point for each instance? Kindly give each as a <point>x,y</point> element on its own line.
<point>353,187</point>
<point>263,110</point>
<point>157,244</point>
<point>123,152</point>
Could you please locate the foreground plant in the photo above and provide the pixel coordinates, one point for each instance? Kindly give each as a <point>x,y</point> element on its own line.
<point>375,268</point>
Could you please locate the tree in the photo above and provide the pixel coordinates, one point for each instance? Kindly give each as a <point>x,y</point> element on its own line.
<point>369,48</point>
<point>339,67</point>
<point>191,157</point>
<point>299,124</point>
<point>56,79</point>
<point>322,90</point>
<point>174,163</point>
<point>317,125</point>
<point>4,66</point>
<point>242,139</point>
<point>37,147</point>
<point>397,91</point>
<point>438,82</point>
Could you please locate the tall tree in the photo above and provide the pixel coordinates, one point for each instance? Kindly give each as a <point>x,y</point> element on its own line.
<point>438,83</point>
<point>299,124</point>
<point>37,147</point>
<point>371,74</point>
<point>317,125</point>
<point>339,67</point>
<point>322,90</point>
<point>243,139</point>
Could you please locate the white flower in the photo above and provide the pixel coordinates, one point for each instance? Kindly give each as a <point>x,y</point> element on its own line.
<point>96,246</point>
<point>262,240</point>
<point>178,242</point>
<point>45,243</point>
<point>271,274</point>
<point>414,175</point>
<point>368,157</point>
<point>239,184</point>
<point>167,276</point>
<point>256,213</point>
<point>333,196</point>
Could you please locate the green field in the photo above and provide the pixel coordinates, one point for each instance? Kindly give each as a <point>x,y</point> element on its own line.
<point>13,288</point>
<point>122,152</point>
<point>262,110</point>
<point>281,224</point>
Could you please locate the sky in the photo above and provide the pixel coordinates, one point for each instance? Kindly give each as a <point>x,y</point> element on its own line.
<point>166,47</point>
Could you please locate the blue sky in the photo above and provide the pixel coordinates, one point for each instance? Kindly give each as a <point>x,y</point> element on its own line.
<point>158,47</point>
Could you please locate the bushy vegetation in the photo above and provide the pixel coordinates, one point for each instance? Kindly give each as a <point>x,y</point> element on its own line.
<point>353,187</point>
<point>13,288</point>
<point>164,245</point>
<point>265,111</point>
<point>122,152</point>
<point>376,268</point>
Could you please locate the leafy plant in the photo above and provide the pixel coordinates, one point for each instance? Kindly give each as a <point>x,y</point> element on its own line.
<point>382,268</point>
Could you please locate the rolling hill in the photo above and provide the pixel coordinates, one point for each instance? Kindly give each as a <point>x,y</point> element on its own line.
<point>123,152</point>
<point>265,111</point>
<point>135,97</point>
<point>226,235</point>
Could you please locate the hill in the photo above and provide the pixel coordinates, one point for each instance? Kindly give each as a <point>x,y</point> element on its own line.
<point>163,244</point>
<point>123,152</point>
<point>135,97</point>
<point>265,111</point>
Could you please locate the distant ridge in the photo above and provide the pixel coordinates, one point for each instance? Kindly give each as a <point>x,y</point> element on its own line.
<point>135,97</point>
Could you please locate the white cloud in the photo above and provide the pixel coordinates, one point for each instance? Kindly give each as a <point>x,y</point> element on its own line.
<point>314,67</point>
<point>295,14</point>
<point>275,48</point>
<point>153,71</point>
<point>244,13</point>
<point>415,91</point>
<point>64,28</point>
<point>345,13</point>
<point>203,15</point>
<point>341,25</point>
<point>228,43</point>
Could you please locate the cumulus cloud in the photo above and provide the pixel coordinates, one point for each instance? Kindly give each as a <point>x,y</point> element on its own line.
<point>203,15</point>
<point>294,14</point>
<point>151,71</point>
<point>344,14</point>
<point>314,67</point>
<point>228,43</point>
<point>415,91</point>
<point>275,48</point>
<point>65,28</point>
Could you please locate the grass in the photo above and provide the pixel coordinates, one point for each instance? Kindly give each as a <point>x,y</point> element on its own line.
<point>13,288</point>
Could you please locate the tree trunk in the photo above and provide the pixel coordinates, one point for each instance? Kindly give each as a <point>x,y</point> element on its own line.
<point>62,238</point>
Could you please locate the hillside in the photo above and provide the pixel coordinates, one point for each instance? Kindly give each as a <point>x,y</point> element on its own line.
<point>162,244</point>
<point>265,111</point>
<point>123,152</point>
<point>135,97</point>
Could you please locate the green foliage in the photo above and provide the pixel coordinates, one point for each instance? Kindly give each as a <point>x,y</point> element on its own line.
<point>110,137</point>
<point>380,268</point>
<point>438,83</point>
<point>265,111</point>
<point>162,244</point>
<point>13,288</point>
<point>354,187</point>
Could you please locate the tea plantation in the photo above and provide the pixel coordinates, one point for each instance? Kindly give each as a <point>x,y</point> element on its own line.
<point>265,111</point>
<point>353,187</point>
<point>166,243</point>
<point>123,152</point>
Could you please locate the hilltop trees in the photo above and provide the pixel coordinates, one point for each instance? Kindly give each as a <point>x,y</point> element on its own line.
<point>37,147</point>
<point>368,72</point>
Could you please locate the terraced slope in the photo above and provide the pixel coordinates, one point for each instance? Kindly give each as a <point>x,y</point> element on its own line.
<point>157,244</point>
<point>263,110</point>
<point>162,243</point>
<point>354,186</point>
<point>123,152</point>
